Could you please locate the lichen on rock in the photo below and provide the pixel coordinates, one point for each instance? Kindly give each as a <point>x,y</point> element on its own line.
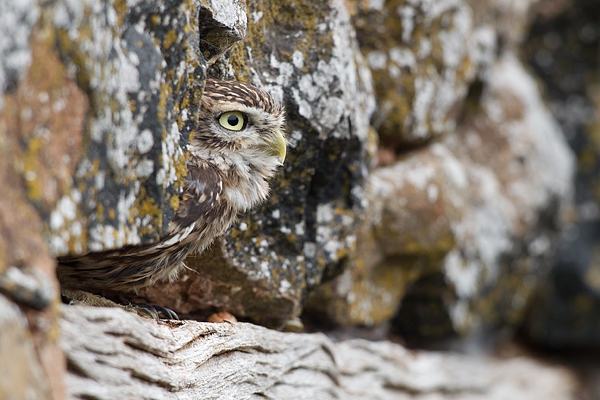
<point>420,53</point>
<point>142,86</point>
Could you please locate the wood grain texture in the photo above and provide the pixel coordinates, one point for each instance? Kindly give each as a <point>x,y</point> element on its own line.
<point>114,354</point>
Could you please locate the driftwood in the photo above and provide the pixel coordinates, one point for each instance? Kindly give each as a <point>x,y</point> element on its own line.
<point>113,354</point>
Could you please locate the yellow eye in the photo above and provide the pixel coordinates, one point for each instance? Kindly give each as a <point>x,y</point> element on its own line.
<point>233,120</point>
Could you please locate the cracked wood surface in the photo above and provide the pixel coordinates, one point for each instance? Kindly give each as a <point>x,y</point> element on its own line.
<point>115,354</point>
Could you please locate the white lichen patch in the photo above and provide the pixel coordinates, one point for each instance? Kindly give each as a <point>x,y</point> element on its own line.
<point>309,250</point>
<point>418,121</point>
<point>284,286</point>
<point>265,270</point>
<point>465,275</point>
<point>17,18</point>
<point>462,318</point>
<point>505,193</point>
<point>334,90</point>
<point>299,228</point>
<point>294,138</point>
<point>385,183</point>
<point>482,48</point>
<point>128,72</point>
<point>454,46</point>
<point>232,14</point>
<point>171,153</point>
<point>403,58</point>
<point>258,261</point>
<point>144,169</point>
<point>419,177</point>
<point>454,170</point>
<point>145,141</point>
<point>432,193</point>
<point>64,224</point>
<point>537,138</point>
<point>486,231</point>
<point>330,222</point>
<point>256,16</point>
<point>325,213</point>
<point>439,79</point>
<point>377,60</point>
<point>298,59</point>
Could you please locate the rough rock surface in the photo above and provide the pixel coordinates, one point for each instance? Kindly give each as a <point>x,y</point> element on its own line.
<point>423,55</point>
<point>522,169</point>
<point>267,263</point>
<point>128,106</point>
<point>123,356</point>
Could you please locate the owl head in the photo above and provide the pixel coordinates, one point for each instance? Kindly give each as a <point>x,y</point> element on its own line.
<point>240,131</point>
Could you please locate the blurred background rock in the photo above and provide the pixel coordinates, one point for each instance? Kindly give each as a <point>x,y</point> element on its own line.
<point>563,48</point>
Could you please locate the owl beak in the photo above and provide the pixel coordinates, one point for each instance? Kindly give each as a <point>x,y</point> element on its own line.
<point>278,145</point>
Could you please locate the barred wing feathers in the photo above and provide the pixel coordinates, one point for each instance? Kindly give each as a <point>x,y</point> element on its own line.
<point>197,222</point>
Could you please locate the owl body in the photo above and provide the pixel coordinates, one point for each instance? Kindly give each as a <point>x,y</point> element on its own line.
<point>236,150</point>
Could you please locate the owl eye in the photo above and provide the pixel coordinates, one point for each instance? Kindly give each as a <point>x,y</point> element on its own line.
<point>233,120</point>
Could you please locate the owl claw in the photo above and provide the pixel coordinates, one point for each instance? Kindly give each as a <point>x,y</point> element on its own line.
<point>154,311</point>
<point>146,311</point>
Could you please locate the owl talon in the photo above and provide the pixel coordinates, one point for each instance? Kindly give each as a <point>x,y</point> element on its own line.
<point>154,311</point>
<point>146,310</point>
<point>172,314</point>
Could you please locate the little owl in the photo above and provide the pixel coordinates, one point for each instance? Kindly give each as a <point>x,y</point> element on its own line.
<point>237,148</point>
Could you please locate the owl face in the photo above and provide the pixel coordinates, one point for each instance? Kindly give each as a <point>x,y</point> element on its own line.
<point>237,117</point>
<point>241,132</point>
<point>248,130</point>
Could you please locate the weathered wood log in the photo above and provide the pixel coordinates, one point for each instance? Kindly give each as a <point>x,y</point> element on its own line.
<point>113,354</point>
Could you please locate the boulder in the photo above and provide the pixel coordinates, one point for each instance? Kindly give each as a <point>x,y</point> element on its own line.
<point>459,232</point>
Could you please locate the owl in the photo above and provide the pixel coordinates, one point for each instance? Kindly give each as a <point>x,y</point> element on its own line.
<point>236,150</point>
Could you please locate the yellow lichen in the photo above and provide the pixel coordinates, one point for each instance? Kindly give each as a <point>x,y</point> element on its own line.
<point>165,89</point>
<point>31,166</point>
<point>174,202</point>
<point>120,7</point>
<point>146,206</point>
<point>170,38</point>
